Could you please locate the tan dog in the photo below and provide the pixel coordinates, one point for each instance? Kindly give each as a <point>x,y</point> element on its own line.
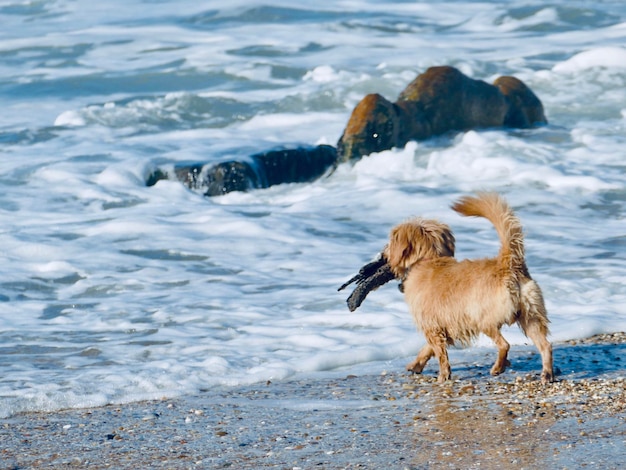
<point>454,301</point>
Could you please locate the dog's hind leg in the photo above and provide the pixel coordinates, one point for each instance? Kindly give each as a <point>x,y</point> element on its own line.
<point>417,366</point>
<point>538,335</point>
<point>503,350</point>
<point>534,324</point>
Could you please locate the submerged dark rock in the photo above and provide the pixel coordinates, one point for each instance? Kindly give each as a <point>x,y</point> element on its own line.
<point>300,165</point>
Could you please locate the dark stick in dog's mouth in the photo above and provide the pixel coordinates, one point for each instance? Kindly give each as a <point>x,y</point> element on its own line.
<point>370,277</point>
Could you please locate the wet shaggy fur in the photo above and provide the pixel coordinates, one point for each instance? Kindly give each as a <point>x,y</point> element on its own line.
<point>454,301</point>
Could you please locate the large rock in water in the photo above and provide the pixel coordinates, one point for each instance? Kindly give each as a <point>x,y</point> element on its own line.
<point>440,100</point>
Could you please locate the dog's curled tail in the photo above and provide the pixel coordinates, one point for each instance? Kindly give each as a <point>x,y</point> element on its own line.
<point>494,208</point>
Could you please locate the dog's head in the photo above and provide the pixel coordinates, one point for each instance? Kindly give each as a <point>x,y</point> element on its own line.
<point>417,240</point>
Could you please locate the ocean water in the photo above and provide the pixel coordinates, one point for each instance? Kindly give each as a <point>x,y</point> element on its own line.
<point>111,291</point>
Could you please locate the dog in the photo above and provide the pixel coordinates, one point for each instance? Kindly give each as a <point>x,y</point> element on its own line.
<point>454,301</point>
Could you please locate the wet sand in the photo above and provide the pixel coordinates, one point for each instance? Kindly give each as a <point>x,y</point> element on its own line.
<point>388,420</point>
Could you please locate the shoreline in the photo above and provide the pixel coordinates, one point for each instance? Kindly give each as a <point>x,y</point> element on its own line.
<point>392,420</point>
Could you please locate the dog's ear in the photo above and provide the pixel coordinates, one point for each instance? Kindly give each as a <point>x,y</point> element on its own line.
<point>409,243</point>
<point>398,251</point>
<point>441,238</point>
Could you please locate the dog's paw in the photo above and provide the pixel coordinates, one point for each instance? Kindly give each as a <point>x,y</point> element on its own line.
<point>443,378</point>
<point>498,368</point>
<point>416,367</point>
<point>547,377</point>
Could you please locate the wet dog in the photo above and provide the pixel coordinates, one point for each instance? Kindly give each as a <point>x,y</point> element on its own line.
<point>454,301</point>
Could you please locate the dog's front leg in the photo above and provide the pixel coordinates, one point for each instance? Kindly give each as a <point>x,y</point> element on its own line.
<point>417,366</point>
<point>438,342</point>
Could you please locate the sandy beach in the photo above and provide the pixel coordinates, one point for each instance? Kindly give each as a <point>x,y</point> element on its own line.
<point>390,420</point>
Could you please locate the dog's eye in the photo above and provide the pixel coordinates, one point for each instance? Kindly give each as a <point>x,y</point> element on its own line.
<point>374,135</point>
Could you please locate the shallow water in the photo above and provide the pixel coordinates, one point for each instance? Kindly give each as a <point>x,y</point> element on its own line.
<point>111,291</point>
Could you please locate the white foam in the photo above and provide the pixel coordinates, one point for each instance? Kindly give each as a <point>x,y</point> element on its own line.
<point>69,118</point>
<point>611,57</point>
<point>542,16</point>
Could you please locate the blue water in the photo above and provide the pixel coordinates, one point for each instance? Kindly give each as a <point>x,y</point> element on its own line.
<point>111,291</point>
